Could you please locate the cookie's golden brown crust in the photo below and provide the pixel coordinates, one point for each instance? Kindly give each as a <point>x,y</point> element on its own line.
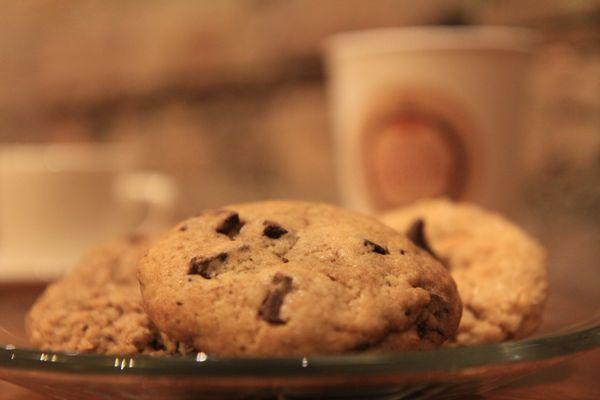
<point>499,269</point>
<point>291,278</point>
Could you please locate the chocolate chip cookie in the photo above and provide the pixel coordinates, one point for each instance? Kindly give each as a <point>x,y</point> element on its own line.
<point>500,270</point>
<point>295,278</point>
<point>97,307</point>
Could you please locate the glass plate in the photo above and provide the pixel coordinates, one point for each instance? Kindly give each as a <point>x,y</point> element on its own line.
<point>571,326</point>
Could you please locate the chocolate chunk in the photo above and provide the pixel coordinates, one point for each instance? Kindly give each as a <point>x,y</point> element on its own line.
<point>422,329</point>
<point>416,234</point>
<point>156,343</point>
<point>230,226</point>
<point>375,248</point>
<point>283,279</point>
<point>271,305</point>
<point>438,307</point>
<point>273,230</point>
<point>206,267</point>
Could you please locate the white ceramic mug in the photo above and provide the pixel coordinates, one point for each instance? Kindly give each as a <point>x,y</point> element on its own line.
<point>56,201</point>
<point>428,111</point>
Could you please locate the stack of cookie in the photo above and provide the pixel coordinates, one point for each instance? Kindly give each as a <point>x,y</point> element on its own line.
<point>294,278</point>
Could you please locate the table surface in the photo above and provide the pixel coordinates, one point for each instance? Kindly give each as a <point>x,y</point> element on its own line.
<point>574,379</point>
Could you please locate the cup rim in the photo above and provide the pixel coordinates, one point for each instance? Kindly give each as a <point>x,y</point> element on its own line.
<point>430,39</point>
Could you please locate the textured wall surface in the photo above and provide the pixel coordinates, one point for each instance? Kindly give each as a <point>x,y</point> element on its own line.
<point>229,96</point>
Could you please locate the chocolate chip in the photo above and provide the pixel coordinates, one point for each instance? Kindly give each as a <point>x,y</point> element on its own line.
<point>206,267</point>
<point>407,312</point>
<point>183,228</point>
<point>402,251</point>
<point>438,306</point>
<point>273,230</point>
<point>230,226</point>
<point>179,303</point>
<point>285,260</point>
<point>156,344</point>
<point>375,248</point>
<point>416,234</point>
<point>271,305</point>
<point>422,329</point>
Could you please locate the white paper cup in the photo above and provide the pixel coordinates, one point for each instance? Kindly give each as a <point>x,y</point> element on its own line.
<point>428,111</point>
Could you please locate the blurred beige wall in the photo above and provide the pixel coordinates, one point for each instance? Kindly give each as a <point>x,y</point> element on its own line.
<point>229,97</point>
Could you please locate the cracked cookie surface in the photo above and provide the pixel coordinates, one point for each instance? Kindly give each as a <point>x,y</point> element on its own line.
<point>500,270</point>
<point>97,307</point>
<point>295,278</point>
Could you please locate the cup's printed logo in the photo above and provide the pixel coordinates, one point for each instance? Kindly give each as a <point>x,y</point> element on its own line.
<point>411,151</point>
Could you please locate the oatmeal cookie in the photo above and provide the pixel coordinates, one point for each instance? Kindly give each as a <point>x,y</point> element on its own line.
<point>97,307</point>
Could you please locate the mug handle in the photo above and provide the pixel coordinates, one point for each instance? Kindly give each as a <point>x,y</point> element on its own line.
<point>156,191</point>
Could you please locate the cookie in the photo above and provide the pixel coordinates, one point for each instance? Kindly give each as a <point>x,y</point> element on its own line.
<point>500,270</point>
<point>295,278</point>
<point>97,307</point>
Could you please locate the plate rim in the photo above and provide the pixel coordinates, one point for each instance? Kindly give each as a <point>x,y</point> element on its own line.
<point>449,360</point>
